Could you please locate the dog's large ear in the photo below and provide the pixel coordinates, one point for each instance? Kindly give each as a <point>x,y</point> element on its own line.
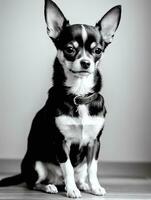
<point>109,23</point>
<point>54,18</point>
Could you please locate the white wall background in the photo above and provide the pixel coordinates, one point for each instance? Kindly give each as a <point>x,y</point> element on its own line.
<point>26,56</point>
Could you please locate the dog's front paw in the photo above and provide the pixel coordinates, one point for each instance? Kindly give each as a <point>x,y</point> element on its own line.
<point>73,192</point>
<point>98,190</point>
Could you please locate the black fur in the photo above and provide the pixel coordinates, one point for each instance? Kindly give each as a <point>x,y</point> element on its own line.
<point>14,180</point>
<point>45,142</point>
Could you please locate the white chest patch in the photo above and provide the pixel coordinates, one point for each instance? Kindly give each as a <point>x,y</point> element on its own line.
<point>80,129</point>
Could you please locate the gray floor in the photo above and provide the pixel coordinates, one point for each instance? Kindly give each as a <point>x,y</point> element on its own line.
<point>117,188</point>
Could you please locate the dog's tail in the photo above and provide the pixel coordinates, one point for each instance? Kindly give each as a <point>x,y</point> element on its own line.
<point>13,180</point>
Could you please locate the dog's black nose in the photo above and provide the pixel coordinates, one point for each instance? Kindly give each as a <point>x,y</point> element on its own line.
<point>85,64</point>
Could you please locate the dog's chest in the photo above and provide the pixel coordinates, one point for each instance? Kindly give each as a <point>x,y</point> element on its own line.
<point>80,129</point>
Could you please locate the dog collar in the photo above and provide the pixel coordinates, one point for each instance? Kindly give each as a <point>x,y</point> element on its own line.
<point>78,100</point>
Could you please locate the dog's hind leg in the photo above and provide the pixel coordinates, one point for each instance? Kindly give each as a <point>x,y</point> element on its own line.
<point>42,172</point>
<point>28,171</point>
<point>36,179</point>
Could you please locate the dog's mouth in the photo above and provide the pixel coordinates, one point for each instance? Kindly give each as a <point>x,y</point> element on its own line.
<point>81,72</point>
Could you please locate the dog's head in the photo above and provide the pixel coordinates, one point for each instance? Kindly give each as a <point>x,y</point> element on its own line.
<point>80,47</point>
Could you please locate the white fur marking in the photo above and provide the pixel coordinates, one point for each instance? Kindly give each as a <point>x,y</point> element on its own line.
<point>81,173</point>
<point>93,179</point>
<point>84,34</point>
<point>50,171</point>
<point>41,170</point>
<point>55,175</point>
<point>81,129</point>
<point>93,45</point>
<point>81,86</point>
<point>76,44</point>
<point>50,188</point>
<point>68,172</point>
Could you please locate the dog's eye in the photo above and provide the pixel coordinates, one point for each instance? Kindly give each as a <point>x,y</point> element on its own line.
<point>97,50</point>
<point>69,50</point>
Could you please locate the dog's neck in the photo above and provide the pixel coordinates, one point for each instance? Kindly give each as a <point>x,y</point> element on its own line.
<point>80,86</point>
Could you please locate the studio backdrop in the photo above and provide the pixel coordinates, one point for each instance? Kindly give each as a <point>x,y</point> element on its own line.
<point>26,57</point>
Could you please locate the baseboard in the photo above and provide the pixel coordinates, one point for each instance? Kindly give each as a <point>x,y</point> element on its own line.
<point>105,169</point>
<point>125,169</point>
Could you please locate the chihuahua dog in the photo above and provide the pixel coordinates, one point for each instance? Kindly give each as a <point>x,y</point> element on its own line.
<point>64,140</point>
